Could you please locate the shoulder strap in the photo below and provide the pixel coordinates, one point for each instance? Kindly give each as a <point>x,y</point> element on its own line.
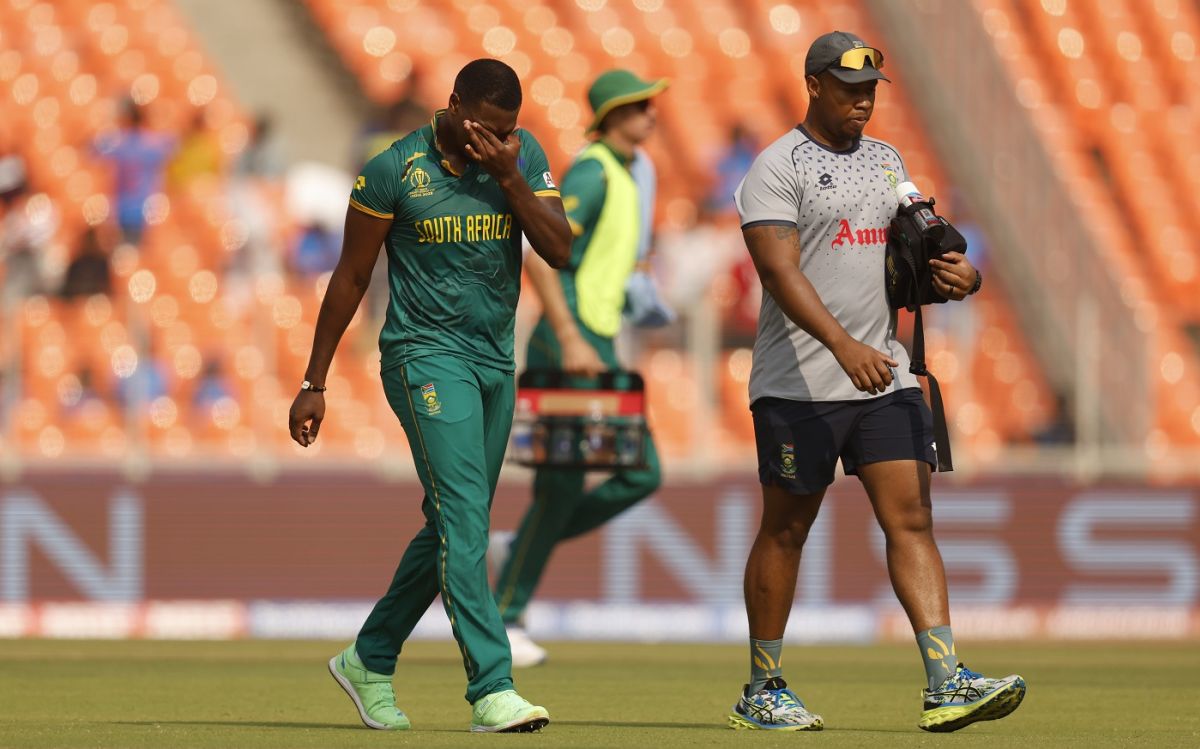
<point>941,435</point>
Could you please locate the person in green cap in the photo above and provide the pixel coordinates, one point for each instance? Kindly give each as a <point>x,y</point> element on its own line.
<point>582,306</point>
<point>449,202</point>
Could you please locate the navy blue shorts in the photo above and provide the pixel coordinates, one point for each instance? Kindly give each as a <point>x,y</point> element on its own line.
<point>799,442</point>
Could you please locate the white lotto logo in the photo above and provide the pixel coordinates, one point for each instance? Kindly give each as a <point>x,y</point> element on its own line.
<point>549,181</point>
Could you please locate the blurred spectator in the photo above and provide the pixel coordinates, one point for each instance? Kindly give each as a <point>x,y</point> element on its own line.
<point>406,114</point>
<point>12,173</point>
<point>211,388</point>
<point>254,200</point>
<point>199,155</point>
<point>316,250</point>
<point>80,395</point>
<point>138,155</point>
<point>263,155</point>
<point>27,225</point>
<point>733,164</point>
<point>89,272</point>
<point>398,120</point>
<point>705,262</point>
<point>1061,428</point>
<point>148,382</point>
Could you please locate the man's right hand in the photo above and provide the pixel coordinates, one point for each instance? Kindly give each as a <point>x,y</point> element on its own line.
<point>498,158</point>
<point>869,369</point>
<point>579,359</point>
<point>308,410</point>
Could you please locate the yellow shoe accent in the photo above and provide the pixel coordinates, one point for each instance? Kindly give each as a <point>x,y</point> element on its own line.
<point>994,706</point>
<point>773,708</point>
<point>738,723</point>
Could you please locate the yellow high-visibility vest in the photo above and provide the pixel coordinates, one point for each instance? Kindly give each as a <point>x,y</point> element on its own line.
<point>611,253</point>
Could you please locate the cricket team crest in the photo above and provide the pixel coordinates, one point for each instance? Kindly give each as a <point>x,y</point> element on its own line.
<point>787,460</point>
<point>429,394</point>
<point>889,171</point>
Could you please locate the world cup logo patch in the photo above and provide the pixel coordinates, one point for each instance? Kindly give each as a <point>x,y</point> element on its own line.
<point>419,179</point>
<point>787,460</point>
<point>429,394</point>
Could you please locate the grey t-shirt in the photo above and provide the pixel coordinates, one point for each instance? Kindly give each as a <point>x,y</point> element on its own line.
<point>842,203</point>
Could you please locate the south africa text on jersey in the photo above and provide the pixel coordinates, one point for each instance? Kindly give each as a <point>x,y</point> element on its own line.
<point>478,227</point>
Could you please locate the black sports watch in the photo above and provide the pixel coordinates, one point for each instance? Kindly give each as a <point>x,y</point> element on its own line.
<point>978,282</point>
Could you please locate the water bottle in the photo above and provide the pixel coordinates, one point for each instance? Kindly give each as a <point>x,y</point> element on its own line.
<point>539,443</point>
<point>562,449</point>
<point>520,447</point>
<point>911,197</point>
<point>597,443</point>
<point>629,442</point>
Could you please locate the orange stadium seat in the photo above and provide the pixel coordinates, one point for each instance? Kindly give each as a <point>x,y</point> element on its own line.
<point>65,66</point>
<point>1127,118</point>
<point>69,64</point>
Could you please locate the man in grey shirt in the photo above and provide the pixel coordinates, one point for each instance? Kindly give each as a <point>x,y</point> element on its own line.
<point>829,381</point>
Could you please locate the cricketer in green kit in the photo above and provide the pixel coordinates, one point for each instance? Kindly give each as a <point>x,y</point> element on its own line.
<point>449,202</point>
<point>582,310</point>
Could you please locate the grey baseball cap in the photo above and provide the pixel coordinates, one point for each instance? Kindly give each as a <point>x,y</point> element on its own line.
<point>826,54</point>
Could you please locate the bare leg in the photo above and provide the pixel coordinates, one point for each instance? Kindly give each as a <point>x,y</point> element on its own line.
<point>899,492</point>
<point>770,582</point>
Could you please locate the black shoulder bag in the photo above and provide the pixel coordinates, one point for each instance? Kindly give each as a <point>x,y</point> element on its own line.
<point>917,234</point>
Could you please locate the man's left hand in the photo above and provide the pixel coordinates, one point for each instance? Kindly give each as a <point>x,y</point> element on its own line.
<point>498,158</point>
<point>953,275</point>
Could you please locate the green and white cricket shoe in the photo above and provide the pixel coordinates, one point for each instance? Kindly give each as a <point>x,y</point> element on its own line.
<point>371,693</point>
<point>773,708</point>
<point>966,697</point>
<point>507,712</point>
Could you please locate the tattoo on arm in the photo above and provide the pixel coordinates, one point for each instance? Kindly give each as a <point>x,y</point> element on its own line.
<point>789,233</point>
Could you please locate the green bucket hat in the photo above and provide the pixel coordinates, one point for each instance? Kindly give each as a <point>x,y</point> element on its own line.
<point>615,88</point>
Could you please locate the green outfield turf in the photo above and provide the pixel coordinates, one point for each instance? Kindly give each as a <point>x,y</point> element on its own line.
<point>279,694</point>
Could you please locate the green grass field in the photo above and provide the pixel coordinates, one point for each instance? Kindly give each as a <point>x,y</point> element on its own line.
<point>279,694</point>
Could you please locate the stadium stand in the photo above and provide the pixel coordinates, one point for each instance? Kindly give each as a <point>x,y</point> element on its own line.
<point>1106,85</point>
<point>66,67</point>
<point>760,49</point>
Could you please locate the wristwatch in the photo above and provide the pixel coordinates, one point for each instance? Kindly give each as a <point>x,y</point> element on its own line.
<point>306,385</point>
<point>978,282</point>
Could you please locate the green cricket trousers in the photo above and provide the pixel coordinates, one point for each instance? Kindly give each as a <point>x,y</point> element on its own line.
<point>457,415</point>
<point>561,509</point>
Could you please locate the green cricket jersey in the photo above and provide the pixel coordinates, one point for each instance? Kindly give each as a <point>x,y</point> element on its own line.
<point>583,191</point>
<point>454,250</point>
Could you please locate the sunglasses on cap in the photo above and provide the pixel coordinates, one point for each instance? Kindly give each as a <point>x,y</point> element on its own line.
<point>856,58</point>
